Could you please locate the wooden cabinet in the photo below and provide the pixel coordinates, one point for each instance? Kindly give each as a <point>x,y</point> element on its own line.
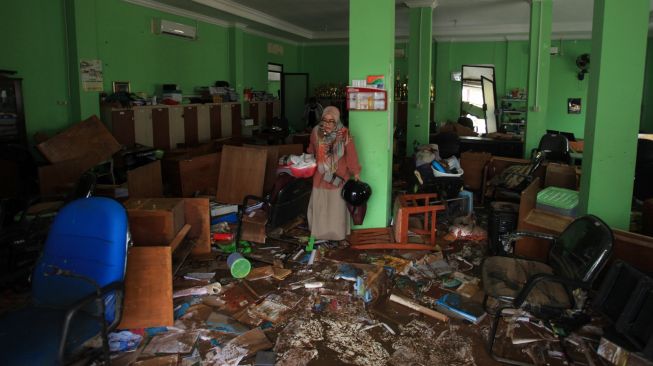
<point>168,127</point>
<point>160,128</point>
<point>236,129</point>
<point>263,112</point>
<point>215,121</point>
<point>269,113</point>
<point>143,132</point>
<point>253,112</point>
<point>188,174</point>
<point>12,115</point>
<point>176,126</point>
<point>203,129</point>
<point>190,126</point>
<point>123,127</point>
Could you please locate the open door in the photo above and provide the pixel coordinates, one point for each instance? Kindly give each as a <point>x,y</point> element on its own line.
<point>472,98</point>
<point>489,104</point>
<point>294,94</point>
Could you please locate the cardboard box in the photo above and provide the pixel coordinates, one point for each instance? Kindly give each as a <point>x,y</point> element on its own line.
<point>155,221</point>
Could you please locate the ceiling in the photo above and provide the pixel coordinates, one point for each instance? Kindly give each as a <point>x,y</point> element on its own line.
<point>320,21</point>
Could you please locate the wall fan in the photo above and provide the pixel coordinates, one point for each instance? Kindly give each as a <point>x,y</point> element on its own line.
<point>583,63</point>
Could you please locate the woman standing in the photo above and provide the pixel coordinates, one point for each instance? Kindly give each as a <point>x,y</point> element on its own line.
<point>337,161</point>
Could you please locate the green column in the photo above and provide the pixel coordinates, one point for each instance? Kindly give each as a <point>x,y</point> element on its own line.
<point>371,52</point>
<point>82,44</point>
<point>237,59</point>
<point>539,62</point>
<point>614,99</point>
<point>419,72</point>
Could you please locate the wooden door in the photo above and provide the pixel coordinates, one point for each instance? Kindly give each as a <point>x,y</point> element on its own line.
<point>269,113</point>
<point>225,120</point>
<point>236,129</point>
<point>276,109</point>
<point>253,112</point>
<point>161,128</point>
<point>215,121</point>
<point>143,131</point>
<point>203,123</point>
<point>122,125</point>
<point>190,126</point>
<point>176,126</point>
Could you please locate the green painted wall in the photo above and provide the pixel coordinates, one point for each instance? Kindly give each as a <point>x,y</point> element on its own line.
<point>401,63</point>
<point>131,52</point>
<point>516,70</point>
<point>327,64</point>
<point>450,57</point>
<point>564,84</point>
<point>257,57</point>
<point>647,97</point>
<point>371,52</point>
<point>33,45</point>
<point>539,71</point>
<point>511,70</point>
<point>121,37</point>
<point>419,77</point>
<point>619,36</point>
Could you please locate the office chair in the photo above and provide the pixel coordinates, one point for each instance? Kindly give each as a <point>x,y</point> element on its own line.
<point>555,148</point>
<point>77,287</point>
<point>545,289</point>
<point>22,240</point>
<point>508,185</point>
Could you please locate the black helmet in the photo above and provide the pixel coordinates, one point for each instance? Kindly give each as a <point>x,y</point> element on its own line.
<point>356,193</point>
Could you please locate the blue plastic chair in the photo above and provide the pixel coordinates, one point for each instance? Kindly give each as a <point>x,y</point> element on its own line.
<point>77,287</point>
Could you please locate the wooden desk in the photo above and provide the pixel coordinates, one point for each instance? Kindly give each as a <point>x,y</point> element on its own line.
<point>148,280</point>
<point>496,147</point>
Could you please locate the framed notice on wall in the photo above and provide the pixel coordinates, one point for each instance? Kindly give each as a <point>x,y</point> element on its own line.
<point>91,75</point>
<point>366,99</point>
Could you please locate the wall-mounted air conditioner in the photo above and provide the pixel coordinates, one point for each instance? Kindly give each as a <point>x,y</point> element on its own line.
<point>162,26</point>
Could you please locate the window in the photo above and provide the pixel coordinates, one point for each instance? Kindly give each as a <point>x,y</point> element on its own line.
<point>274,79</point>
<point>274,72</point>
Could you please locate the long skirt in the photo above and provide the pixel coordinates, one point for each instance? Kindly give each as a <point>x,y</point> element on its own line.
<point>328,217</point>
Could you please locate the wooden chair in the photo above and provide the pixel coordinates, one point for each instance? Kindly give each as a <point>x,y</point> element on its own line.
<point>396,236</point>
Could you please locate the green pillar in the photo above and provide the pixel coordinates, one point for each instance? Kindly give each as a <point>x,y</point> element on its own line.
<point>237,59</point>
<point>82,44</point>
<point>419,72</point>
<point>371,52</point>
<point>614,99</point>
<point>539,62</point>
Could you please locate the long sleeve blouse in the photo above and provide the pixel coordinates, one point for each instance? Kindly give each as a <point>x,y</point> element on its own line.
<point>348,164</point>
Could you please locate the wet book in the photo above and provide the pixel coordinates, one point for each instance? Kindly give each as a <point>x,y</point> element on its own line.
<point>457,306</point>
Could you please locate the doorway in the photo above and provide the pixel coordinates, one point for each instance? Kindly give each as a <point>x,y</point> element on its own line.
<point>478,97</point>
<point>294,94</point>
